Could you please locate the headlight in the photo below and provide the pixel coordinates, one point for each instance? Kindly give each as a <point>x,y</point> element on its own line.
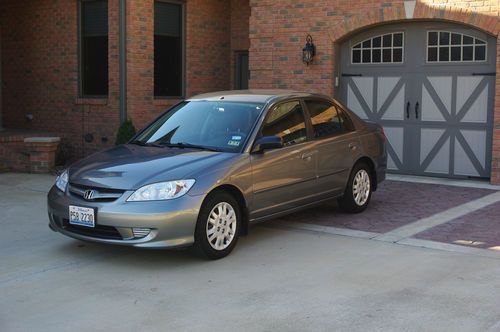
<point>161,191</point>
<point>62,181</point>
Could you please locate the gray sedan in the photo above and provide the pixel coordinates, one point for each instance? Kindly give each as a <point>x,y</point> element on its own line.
<point>208,167</point>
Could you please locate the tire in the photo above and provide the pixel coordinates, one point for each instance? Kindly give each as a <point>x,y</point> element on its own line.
<point>216,236</point>
<point>356,201</point>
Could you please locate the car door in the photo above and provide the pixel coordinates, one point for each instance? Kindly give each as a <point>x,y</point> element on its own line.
<point>284,178</point>
<point>336,143</point>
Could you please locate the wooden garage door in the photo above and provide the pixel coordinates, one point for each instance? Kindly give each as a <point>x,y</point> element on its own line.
<point>431,85</point>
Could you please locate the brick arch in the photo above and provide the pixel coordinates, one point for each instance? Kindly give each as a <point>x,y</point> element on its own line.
<point>394,13</point>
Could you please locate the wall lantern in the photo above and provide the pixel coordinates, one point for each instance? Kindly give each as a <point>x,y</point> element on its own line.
<point>309,51</point>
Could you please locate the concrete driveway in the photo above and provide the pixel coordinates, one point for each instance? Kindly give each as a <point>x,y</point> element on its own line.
<point>278,278</point>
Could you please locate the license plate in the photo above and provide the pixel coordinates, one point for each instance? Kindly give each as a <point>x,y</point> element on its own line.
<point>81,216</point>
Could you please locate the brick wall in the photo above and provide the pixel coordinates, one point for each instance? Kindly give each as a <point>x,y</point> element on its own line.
<point>40,73</point>
<point>207,46</point>
<point>140,61</point>
<point>40,65</point>
<point>278,29</point>
<point>13,154</point>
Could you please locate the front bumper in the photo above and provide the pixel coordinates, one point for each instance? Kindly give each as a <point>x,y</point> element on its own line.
<point>155,224</point>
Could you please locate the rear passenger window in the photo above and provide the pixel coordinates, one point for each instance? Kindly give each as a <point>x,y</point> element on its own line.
<point>346,121</point>
<point>327,119</point>
<point>286,121</point>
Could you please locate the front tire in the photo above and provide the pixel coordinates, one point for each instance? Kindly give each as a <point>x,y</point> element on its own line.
<point>358,192</point>
<point>218,226</point>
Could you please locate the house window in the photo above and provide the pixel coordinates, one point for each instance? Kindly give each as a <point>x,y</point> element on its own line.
<point>445,46</point>
<point>387,48</point>
<point>94,48</point>
<point>168,54</point>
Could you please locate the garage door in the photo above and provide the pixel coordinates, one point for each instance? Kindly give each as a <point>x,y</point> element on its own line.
<point>432,86</point>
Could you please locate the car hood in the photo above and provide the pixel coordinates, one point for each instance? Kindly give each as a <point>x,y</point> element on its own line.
<point>128,167</point>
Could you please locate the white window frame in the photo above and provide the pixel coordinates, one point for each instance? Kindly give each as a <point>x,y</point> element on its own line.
<point>461,45</point>
<point>381,48</point>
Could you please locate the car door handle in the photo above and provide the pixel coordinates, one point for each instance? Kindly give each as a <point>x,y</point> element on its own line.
<point>307,156</point>
<point>352,146</point>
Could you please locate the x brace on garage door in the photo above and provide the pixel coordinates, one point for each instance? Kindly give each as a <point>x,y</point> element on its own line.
<point>431,85</point>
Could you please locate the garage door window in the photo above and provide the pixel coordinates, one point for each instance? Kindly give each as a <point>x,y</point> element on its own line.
<point>387,48</point>
<point>445,46</point>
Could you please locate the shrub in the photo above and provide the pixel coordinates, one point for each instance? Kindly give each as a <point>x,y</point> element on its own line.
<point>125,132</point>
<point>64,154</point>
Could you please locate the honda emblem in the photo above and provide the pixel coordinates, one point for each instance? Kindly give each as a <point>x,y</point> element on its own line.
<point>89,194</point>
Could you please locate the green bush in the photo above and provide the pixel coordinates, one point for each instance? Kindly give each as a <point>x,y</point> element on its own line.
<point>125,132</point>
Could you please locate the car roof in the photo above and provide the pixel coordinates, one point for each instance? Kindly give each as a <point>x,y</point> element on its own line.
<point>254,95</point>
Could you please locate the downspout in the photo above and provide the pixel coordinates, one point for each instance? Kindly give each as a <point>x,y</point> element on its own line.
<point>123,59</point>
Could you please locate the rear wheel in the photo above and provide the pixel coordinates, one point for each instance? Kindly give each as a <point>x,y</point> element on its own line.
<point>218,226</point>
<point>358,192</point>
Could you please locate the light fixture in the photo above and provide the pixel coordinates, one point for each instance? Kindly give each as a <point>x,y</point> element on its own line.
<point>309,51</point>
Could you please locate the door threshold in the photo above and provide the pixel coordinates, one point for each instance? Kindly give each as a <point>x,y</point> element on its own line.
<point>473,183</point>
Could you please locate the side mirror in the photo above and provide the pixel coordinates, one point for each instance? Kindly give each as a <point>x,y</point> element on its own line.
<point>267,143</point>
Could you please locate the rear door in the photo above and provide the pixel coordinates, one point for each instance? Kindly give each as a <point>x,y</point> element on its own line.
<point>284,178</point>
<point>336,144</point>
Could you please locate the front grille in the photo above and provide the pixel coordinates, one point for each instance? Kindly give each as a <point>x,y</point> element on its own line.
<point>99,194</point>
<point>99,231</point>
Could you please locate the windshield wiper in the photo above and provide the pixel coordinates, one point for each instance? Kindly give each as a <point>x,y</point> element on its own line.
<point>184,145</point>
<point>156,145</point>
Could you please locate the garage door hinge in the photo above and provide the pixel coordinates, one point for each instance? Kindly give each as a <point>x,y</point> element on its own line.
<point>484,74</point>
<point>351,75</point>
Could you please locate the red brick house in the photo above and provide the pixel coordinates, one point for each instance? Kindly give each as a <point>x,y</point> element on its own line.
<point>426,70</point>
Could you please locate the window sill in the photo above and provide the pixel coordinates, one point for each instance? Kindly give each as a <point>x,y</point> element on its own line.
<point>91,101</point>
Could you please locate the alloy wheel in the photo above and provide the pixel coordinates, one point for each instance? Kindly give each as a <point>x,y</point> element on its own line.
<point>221,226</point>
<point>361,187</point>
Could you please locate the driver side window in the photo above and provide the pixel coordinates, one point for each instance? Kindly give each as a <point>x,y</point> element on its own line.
<point>287,121</point>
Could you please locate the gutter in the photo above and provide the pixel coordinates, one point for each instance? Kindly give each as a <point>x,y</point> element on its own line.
<point>123,59</point>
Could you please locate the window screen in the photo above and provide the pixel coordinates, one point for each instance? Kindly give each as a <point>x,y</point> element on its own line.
<point>94,47</point>
<point>168,35</point>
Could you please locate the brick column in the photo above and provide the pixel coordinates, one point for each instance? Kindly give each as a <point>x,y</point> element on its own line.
<point>42,153</point>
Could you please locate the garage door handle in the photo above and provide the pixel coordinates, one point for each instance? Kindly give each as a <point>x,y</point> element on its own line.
<point>416,110</point>
<point>408,110</point>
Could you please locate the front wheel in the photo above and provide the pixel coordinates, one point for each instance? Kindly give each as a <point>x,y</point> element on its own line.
<point>358,191</point>
<point>218,226</point>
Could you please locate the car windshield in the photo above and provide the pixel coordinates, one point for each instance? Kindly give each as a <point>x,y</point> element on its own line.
<point>210,125</point>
